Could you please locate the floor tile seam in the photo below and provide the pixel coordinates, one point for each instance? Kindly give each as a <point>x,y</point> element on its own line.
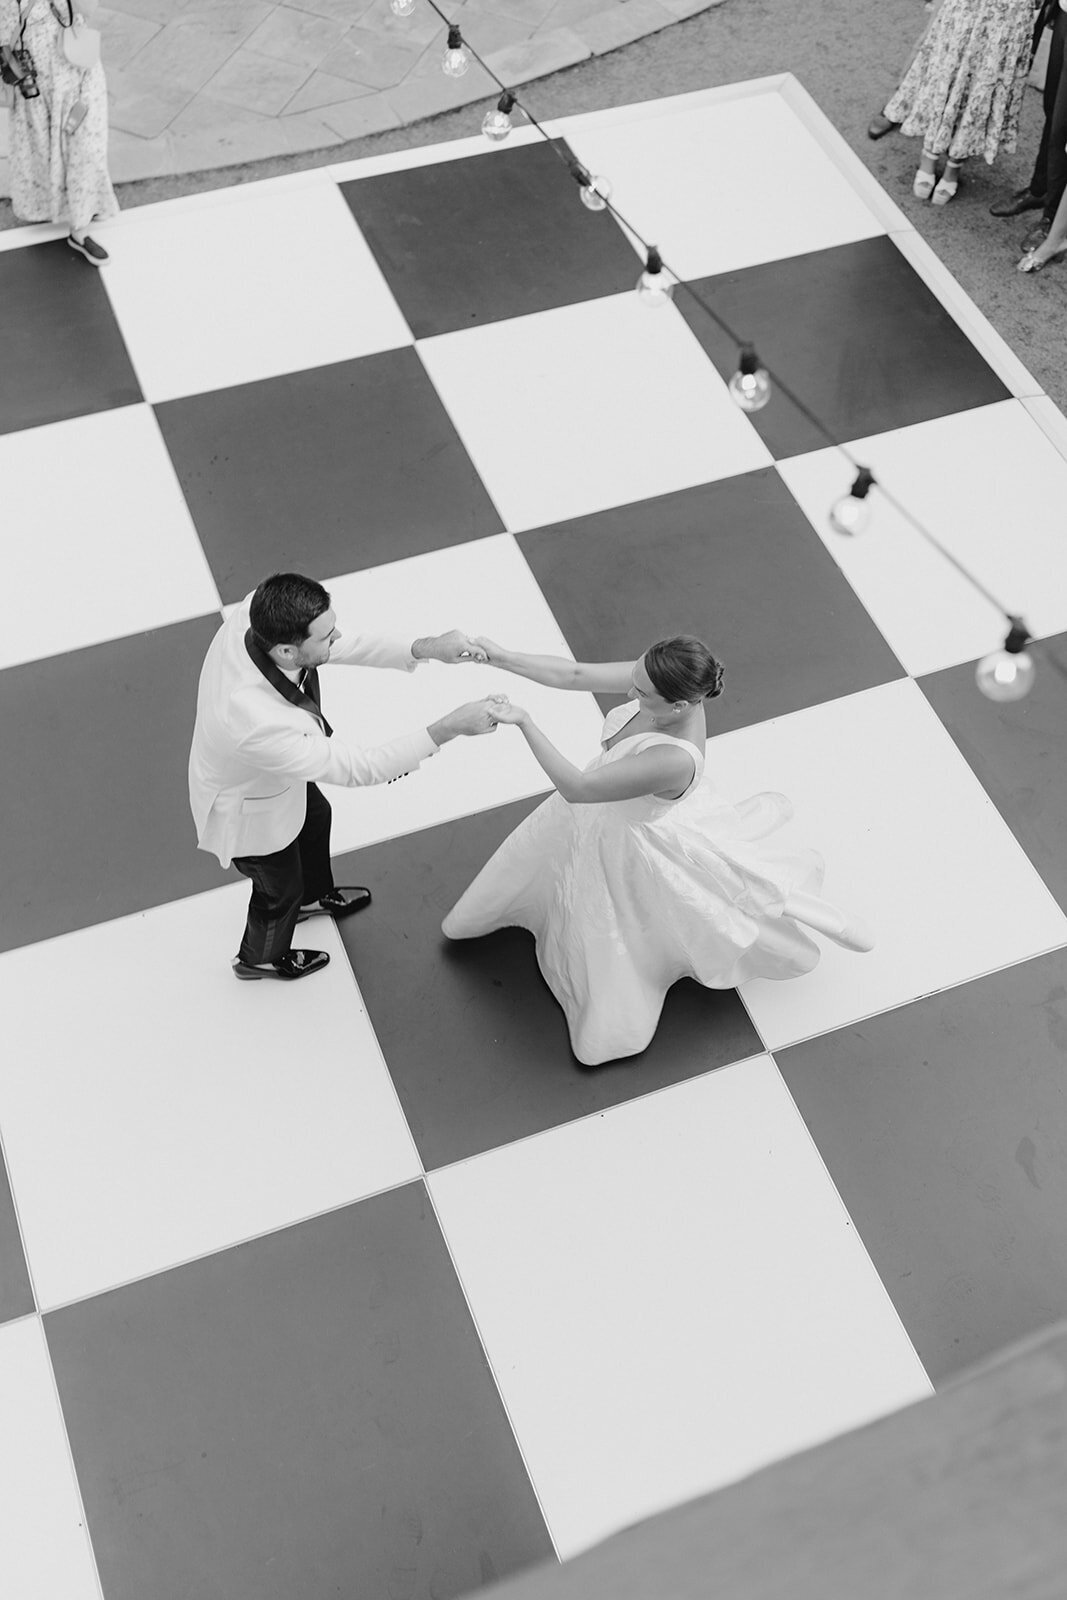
<point>534,1486</point>
<point>372,1030</point>
<point>19,1225</point>
<point>86,1529</point>
<point>598,1112</point>
<point>849,1220</point>
<point>303,1220</point>
<point>924,994</point>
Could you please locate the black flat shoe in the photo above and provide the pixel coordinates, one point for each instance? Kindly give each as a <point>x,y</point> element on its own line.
<point>880,125</point>
<point>294,964</point>
<point>1015,204</point>
<point>337,904</point>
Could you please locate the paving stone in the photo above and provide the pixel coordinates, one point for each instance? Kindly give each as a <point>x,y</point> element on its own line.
<point>184,58</point>
<point>621,24</point>
<point>161,11</point>
<point>143,107</point>
<point>130,158</point>
<point>296,36</point>
<point>238,18</point>
<point>366,58</point>
<point>427,96</point>
<point>569,14</point>
<point>258,83</point>
<point>209,133</point>
<point>532,12</point>
<point>487,34</point>
<point>688,8</point>
<point>419,29</point>
<point>307,132</point>
<point>323,89</point>
<point>538,56</point>
<point>121,36</point>
<point>346,11</point>
<point>358,118</point>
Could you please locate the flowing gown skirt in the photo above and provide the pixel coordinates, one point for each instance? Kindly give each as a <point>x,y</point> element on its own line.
<point>625,898</point>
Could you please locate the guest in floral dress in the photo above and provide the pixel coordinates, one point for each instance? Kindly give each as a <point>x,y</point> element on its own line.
<point>59,138</point>
<point>963,92</point>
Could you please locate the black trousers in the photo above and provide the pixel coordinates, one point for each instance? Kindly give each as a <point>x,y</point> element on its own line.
<point>285,880</point>
<point>1050,168</point>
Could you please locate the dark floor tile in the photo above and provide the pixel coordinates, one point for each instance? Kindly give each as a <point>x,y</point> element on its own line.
<point>96,807</point>
<point>326,471</point>
<point>855,333</point>
<point>308,1415</point>
<point>61,352</point>
<point>944,1126</point>
<point>698,562</point>
<point>475,1042</point>
<point>472,241</point>
<point>16,1296</point>
<point>1018,753</point>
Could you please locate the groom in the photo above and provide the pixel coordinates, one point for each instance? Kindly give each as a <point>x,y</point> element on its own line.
<point>261,745</point>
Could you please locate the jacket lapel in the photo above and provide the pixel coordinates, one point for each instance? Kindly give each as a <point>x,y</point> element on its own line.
<point>285,686</point>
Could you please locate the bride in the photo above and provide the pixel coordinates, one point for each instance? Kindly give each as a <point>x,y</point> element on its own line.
<point>637,872</point>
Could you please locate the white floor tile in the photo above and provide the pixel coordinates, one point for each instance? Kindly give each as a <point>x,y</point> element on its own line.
<point>599,404</point>
<point>671,1295</point>
<point>990,485</point>
<point>94,503</point>
<point>718,187</point>
<point>44,1548</point>
<point>482,587</point>
<point>165,1110</point>
<point>912,843</point>
<point>277,281</point>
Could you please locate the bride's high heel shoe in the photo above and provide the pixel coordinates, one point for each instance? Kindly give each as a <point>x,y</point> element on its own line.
<point>1030,263</point>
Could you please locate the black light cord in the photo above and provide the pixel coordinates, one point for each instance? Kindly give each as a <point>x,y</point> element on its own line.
<point>582,176</point>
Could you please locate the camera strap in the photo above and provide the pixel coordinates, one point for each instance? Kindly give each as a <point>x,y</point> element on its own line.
<point>70,14</point>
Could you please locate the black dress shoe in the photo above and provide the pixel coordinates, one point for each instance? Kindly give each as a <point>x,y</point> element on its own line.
<point>337,903</point>
<point>294,964</point>
<point>1015,204</point>
<point>880,125</point>
<point>1035,235</point>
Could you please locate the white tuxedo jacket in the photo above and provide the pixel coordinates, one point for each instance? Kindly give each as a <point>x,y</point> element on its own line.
<point>254,752</point>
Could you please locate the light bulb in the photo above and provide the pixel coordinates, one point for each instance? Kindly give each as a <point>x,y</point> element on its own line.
<point>1007,674</point>
<point>750,386</point>
<point>401,8</point>
<point>852,513</point>
<point>653,286</point>
<point>596,193</point>
<point>496,124</point>
<point>456,61</point>
<point>1001,676</point>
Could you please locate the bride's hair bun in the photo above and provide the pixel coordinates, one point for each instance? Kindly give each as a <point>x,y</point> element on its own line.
<point>683,668</point>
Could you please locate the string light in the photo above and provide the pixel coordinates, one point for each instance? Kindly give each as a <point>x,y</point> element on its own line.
<point>456,60</point>
<point>852,513</point>
<point>653,286</point>
<point>595,194</point>
<point>496,124</point>
<point>750,386</point>
<point>1007,674</point>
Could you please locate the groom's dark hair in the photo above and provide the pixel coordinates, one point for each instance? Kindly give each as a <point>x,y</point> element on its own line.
<point>284,607</point>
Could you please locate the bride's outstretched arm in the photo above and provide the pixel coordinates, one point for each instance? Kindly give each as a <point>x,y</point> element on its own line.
<point>604,677</point>
<point>663,769</point>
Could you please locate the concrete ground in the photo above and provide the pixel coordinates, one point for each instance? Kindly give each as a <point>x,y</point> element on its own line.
<point>849,55</point>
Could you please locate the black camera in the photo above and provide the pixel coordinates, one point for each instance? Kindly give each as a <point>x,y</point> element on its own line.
<point>18,69</point>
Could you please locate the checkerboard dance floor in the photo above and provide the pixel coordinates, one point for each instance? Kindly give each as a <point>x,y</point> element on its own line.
<point>363,1287</point>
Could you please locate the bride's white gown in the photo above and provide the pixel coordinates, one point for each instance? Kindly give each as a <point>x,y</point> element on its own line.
<point>625,897</point>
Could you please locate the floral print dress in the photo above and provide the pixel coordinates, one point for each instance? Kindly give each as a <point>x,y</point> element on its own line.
<point>963,92</point>
<point>56,176</point>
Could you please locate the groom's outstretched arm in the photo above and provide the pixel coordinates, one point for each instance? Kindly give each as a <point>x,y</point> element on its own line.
<point>595,677</point>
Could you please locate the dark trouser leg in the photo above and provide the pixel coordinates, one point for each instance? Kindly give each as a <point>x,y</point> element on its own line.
<point>277,890</point>
<point>1055,136</point>
<point>314,845</point>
